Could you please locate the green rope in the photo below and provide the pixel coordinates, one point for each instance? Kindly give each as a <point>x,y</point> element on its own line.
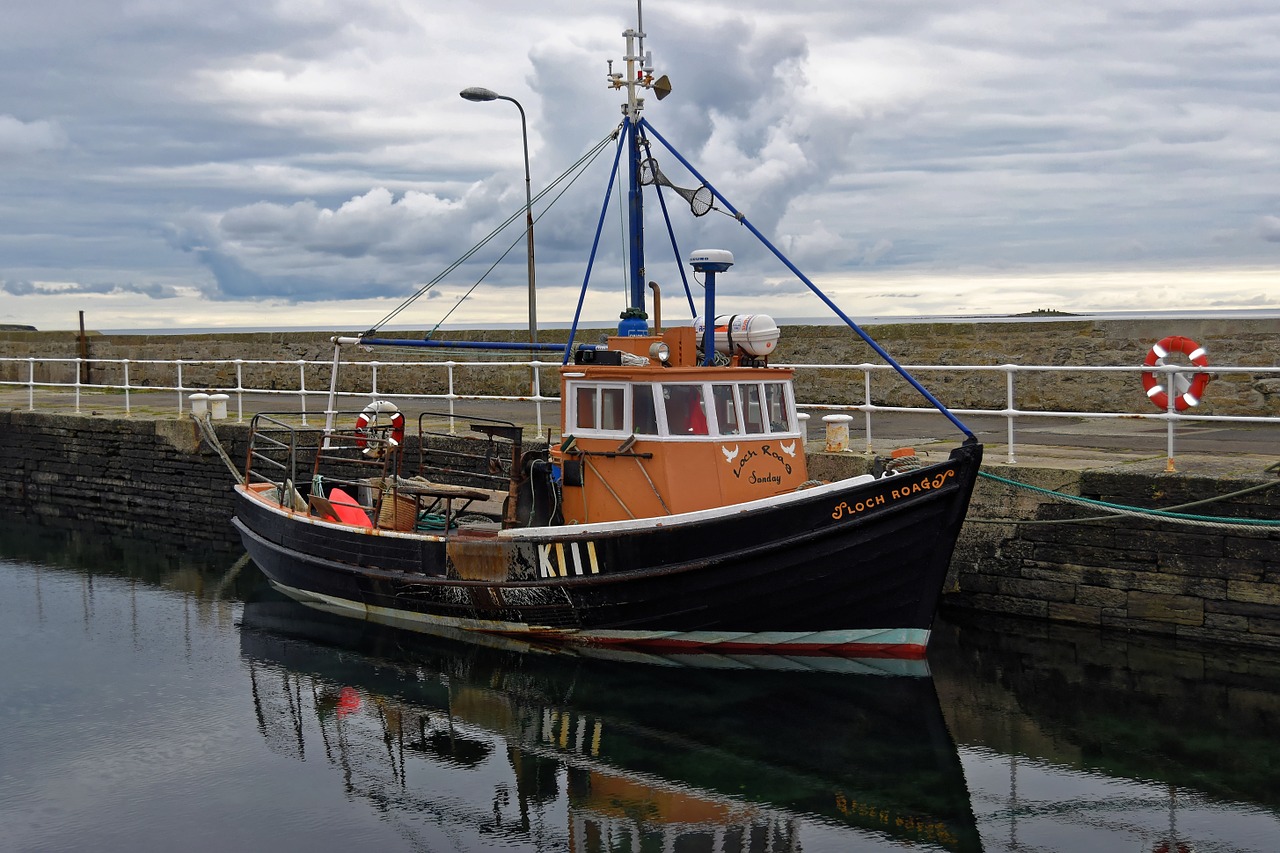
<point>432,521</point>
<point>1121,509</point>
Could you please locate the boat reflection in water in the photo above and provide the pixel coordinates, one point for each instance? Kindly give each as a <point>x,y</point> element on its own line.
<point>485,744</point>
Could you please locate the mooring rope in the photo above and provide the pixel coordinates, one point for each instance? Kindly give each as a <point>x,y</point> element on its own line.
<point>1120,510</point>
<point>211,439</point>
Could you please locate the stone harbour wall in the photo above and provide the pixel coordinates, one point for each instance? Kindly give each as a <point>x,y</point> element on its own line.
<point>1066,342</point>
<point>146,474</point>
<point>1021,555</point>
<point>1202,584</point>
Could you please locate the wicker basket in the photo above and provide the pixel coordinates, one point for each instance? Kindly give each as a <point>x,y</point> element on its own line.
<point>398,512</point>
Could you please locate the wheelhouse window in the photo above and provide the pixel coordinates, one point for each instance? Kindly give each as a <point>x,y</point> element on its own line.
<point>584,400</point>
<point>682,409</point>
<point>753,410</point>
<point>612,408</point>
<point>603,408</point>
<point>643,414</point>
<point>779,413</point>
<point>686,414</point>
<point>766,408</point>
<point>726,404</point>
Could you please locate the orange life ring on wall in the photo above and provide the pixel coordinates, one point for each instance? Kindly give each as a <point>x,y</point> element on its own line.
<point>1189,396</point>
<point>380,413</point>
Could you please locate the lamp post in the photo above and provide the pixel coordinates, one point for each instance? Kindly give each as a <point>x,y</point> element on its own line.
<point>478,93</point>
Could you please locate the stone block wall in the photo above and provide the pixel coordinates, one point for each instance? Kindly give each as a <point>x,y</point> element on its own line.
<point>1194,582</point>
<point>144,474</point>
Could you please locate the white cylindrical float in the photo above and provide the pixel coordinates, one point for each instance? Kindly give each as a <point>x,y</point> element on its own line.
<point>754,334</point>
<point>837,432</point>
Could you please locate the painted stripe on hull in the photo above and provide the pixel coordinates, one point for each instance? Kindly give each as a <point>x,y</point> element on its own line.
<point>905,643</point>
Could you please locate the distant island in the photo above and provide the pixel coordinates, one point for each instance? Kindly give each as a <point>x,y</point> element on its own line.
<point>1045,312</point>
<point>17,327</point>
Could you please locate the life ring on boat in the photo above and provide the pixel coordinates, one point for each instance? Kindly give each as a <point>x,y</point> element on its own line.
<point>372,417</point>
<point>1187,397</point>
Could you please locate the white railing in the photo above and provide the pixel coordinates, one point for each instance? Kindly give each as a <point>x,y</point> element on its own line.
<point>53,393</point>
<point>1010,412</point>
<point>52,390</point>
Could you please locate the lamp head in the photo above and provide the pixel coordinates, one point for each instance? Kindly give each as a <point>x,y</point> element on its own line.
<point>479,93</point>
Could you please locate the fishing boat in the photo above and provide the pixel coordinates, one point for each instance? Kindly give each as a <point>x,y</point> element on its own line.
<point>674,510</point>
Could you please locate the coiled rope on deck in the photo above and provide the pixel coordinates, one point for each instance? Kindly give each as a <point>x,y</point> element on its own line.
<point>1115,510</point>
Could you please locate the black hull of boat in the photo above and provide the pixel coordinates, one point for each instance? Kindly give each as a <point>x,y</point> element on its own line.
<point>857,570</point>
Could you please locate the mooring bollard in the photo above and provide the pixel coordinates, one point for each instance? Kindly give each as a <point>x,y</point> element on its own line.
<point>199,404</point>
<point>218,405</point>
<point>837,432</point>
<point>804,429</point>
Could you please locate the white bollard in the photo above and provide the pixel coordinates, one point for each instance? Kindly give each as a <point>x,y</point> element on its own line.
<point>837,432</point>
<point>804,428</point>
<point>218,405</point>
<point>199,404</point>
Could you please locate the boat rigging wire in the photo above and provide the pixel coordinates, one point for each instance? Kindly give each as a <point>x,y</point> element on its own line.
<point>675,248</point>
<point>626,246</point>
<point>890,360</point>
<point>1121,510</point>
<point>579,166</point>
<point>595,243</point>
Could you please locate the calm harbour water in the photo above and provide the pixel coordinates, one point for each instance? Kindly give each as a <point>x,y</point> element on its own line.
<point>158,698</point>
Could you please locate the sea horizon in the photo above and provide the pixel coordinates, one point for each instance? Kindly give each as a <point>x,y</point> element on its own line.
<point>874,320</point>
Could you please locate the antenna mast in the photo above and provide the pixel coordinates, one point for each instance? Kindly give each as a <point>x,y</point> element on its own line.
<point>638,75</point>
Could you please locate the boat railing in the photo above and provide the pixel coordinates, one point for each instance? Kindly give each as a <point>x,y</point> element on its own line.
<point>398,487</point>
<point>1012,392</point>
<point>487,456</point>
<point>289,456</point>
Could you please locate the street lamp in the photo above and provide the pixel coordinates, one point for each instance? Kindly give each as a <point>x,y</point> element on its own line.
<point>478,93</point>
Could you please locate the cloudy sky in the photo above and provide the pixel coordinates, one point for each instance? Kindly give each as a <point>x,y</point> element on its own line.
<point>173,164</point>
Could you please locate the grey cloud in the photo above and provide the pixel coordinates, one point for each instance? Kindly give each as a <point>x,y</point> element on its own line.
<point>30,288</point>
<point>17,288</point>
<point>19,137</point>
<point>307,152</point>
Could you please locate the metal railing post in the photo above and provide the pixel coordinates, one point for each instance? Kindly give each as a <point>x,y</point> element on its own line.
<point>179,387</point>
<point>866,398</point>
<point>302,389</point>
<point>1009,409</point>
<point>537,393</point>
<point>1171,393</point>
<point>449,365</point>
<point>239,390</point>
<point>31,385</point>
<point>127,409</point>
